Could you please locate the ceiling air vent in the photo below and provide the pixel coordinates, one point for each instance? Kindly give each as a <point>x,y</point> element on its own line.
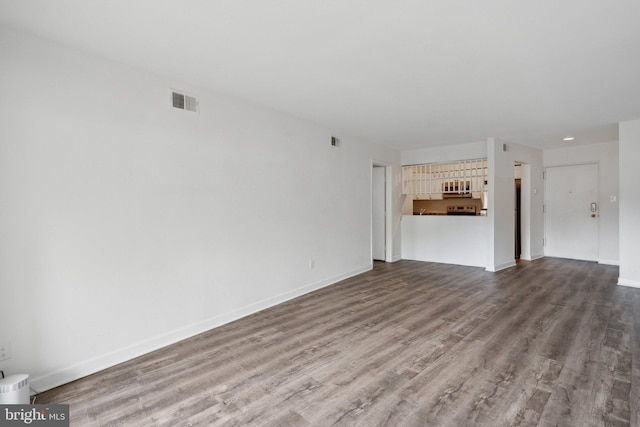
<point>184,102</point>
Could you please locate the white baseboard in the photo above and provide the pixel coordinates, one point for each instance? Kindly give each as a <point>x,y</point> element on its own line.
<point>628,282</point>
<point>532,257</point>
<point>609,261</point>
<point>499,267</point>
<point>396,258</point>
<point>90,366</point>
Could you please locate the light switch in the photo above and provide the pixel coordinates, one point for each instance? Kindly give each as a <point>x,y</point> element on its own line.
<point>613,198</point>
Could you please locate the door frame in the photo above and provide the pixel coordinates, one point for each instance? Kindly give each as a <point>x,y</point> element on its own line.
<point>388,222</point>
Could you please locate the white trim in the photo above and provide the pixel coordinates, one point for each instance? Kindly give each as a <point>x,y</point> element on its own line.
<point>501,266</point>
<point>609,261</point>
<point>628,282</point>
<point>396,258</point>
<point>531,258</point>
<point>90,366</point>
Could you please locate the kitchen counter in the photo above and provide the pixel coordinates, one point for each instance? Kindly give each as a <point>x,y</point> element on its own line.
<point>429,213</point>
<point>442,213</point>
<point>450,239</point>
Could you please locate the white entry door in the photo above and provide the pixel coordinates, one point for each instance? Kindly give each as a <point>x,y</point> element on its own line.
<point>571,212</point>
<point>378,201</point>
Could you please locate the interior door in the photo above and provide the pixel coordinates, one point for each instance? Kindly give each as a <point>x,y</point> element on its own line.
<point>571,212</point>
<point>378,200</point>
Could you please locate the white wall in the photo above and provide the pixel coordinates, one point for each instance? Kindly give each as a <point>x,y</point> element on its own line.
<point>502,204</point>
<point>606,156</point>
<point>126,225</point>
<point>447,239</point>
<point>629,137</point>
<point>448,153</point>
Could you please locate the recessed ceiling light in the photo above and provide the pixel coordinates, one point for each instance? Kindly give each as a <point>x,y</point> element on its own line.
<point>569,138</point>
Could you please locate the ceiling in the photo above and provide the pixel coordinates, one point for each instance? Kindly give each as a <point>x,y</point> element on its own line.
<point>406,74</point>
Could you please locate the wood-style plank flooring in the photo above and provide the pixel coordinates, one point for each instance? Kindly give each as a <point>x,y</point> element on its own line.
<point>551,343</point>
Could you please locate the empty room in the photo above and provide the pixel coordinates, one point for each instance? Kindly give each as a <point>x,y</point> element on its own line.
<point>303,213</point>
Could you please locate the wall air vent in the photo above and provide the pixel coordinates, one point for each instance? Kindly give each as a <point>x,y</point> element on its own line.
<point>184,102</point>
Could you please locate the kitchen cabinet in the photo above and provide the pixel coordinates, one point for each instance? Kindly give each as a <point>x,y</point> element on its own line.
<point>464,178</point>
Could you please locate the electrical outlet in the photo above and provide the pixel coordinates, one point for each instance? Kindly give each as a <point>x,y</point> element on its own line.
<point>5,351</point>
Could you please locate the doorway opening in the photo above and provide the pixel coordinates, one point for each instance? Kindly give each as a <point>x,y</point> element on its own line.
<point>518,212</point>
<point>381,248</point>
<point>523,192</point>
